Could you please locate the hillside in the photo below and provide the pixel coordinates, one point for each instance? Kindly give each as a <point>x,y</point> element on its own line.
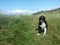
<point>50,12</point>
<point>19,30</point>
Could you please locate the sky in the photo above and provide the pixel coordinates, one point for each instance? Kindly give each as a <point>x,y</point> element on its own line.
<point>28,5</point>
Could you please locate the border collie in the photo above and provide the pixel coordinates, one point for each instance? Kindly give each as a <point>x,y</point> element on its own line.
<point>42,25</point>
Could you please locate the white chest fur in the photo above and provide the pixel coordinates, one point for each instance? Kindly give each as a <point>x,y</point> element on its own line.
<point>43,25</point>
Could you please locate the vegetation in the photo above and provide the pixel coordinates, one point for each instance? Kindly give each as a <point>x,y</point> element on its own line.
<point>48,12</point>
<point>19,30</point>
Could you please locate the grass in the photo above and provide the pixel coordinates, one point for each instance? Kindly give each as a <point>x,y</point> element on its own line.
<point>19,30</point>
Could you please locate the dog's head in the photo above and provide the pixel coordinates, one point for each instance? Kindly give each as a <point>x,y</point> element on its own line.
<point>42,18</point>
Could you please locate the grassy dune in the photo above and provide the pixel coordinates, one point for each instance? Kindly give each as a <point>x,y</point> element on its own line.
<point>19,30</point>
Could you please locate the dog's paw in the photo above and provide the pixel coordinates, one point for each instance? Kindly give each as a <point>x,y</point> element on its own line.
<point>38,34</point>
<point>34,29</point>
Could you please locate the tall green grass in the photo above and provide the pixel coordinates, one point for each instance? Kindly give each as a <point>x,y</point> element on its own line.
<point>19,30</point>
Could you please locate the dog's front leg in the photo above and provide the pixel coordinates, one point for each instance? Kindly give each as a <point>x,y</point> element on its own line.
<point>44,31</point>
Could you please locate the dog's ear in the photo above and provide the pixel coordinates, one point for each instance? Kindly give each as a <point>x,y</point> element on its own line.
<point>42,18</point>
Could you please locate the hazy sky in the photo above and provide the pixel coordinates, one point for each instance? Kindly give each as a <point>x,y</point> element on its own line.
<point>29,4</point>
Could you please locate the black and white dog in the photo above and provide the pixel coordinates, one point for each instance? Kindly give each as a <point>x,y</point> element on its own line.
<point>42,25</point>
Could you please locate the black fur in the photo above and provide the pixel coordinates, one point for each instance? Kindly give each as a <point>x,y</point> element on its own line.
<point>41,19</point>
